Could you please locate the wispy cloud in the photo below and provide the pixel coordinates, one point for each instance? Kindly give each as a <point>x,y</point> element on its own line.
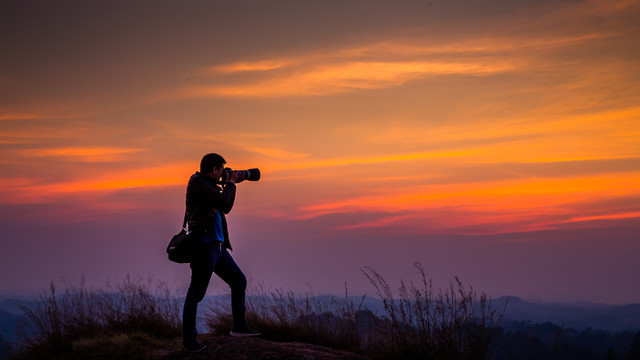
<point>386,63</point>
<point>597,138</point>
<point>261,65</point>
<point>320,80</point>
<point>39,114</point>
<point>508,205</point>
<point>264,144</point>
<point>498,44</point>
<point>375,160</point>
<point>82,154</point>
<point>614,216</point>
<point>540,136</point>
<point>595,8</point>
<point>31,116</point>
<point>31,190</point>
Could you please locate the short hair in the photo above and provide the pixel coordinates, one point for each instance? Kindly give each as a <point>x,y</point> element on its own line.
<point>210,161</point>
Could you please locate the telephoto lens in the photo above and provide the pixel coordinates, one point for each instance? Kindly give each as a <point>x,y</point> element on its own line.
<point>251,175</point>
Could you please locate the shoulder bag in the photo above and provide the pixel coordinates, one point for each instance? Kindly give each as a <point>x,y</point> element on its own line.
<point>180,248</point>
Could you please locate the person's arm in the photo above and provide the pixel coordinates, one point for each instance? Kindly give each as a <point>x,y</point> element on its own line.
<point>211,196</point>
<point>228,196</point>
<point>229,191</point>
<point>202,191</point>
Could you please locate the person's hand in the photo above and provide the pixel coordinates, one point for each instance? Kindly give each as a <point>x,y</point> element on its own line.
<point>232,176</point>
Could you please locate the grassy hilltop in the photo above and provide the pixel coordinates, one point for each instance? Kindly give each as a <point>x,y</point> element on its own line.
<point>140,319</point>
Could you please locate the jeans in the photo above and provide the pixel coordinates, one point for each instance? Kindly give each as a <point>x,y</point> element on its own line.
<point>211,258</point>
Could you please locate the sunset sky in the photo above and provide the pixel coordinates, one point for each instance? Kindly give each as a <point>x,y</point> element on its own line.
<point>497,141</point>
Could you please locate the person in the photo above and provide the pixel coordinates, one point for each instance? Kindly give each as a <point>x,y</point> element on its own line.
<point>207,204</point>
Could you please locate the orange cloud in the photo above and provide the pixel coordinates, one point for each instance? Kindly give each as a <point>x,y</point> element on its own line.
<point>375,159</point>
<point>263,65</point>
<point>345,77</point>
<point>616,216</point>
<point>29,134</point>
<point>539,137</point>
<point>608,135</point>
<point>516,205</point>
<point>25,190</point>
<point>264,144</point>
<point>49,113</point>
<point>596,8</point>
<point>475,46</point>
<point>35,116</point>
<point>83,154</point>
<point>394,62</point>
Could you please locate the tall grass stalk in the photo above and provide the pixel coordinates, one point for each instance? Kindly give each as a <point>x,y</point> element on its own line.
<point>417,322</point>
<point>57,321</point>
<point>454,323</point>
<point>285,316</point>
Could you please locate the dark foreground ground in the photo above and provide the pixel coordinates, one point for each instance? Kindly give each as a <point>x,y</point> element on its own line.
<point>238,348</point>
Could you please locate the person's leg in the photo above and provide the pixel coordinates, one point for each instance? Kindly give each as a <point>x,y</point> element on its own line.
<point>201,270</point>
<point>227,269</point>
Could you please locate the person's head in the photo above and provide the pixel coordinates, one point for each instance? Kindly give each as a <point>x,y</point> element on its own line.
<point>213,165</point>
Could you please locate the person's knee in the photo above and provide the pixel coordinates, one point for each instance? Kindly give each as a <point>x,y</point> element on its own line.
<point>196,293</point>
<point>194,299</point>
<point>240,282</point>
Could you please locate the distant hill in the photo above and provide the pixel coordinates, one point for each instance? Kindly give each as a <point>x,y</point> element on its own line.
<point>8,324</point>
<point>579,316</point>
<point>10,315</point>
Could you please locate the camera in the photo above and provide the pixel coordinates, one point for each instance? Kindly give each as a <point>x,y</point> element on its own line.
<point>251,175</point>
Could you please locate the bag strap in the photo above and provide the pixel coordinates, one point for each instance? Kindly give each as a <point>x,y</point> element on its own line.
<point>184,222</point>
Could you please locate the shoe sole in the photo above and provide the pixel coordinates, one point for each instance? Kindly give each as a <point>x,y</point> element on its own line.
<point>244,334</point>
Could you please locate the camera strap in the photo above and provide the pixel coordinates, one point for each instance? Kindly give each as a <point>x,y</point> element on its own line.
<point>184,222</point>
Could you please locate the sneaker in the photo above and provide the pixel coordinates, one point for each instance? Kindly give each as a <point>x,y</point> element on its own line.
<point>244,331</point>
<point>194,347</point>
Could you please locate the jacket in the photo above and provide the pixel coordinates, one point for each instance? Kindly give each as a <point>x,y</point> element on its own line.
<point>205,198</point>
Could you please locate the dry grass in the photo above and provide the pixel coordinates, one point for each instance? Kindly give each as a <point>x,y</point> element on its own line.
<point>123,319</point>
<point>455,323</point>
<point>131,318</point>
<point>284,316</point>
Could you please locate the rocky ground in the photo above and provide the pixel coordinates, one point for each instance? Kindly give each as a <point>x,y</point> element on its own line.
<point>239,348</point>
